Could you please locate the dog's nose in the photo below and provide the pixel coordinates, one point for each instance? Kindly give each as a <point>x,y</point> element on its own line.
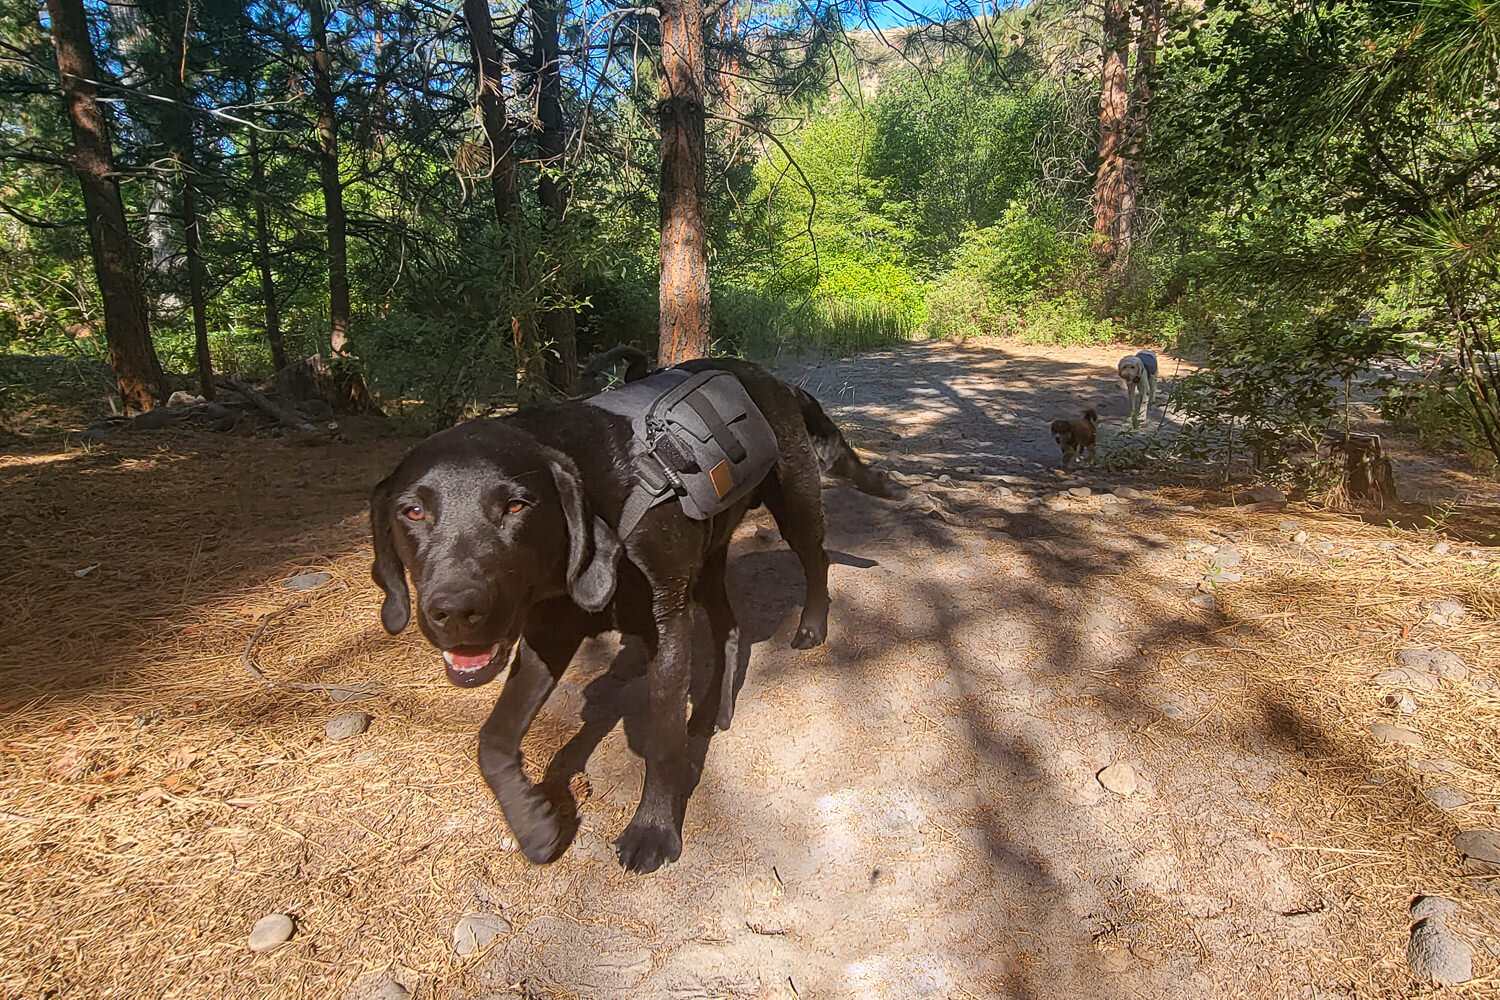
<point>457,607</point>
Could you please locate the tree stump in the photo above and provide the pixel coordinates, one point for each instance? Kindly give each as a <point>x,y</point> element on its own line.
<point>340,386</point>
<point>1367,474</point>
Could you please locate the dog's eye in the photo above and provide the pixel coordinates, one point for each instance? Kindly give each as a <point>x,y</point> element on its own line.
<point>516,506</point>
<point>414,513</point>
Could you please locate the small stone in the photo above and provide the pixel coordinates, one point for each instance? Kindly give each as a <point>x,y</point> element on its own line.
<point>476,931</point>
<point>1386,545</point>
<point>1375,779</point>
<point>182,398</point>
<point>308,581</point>
<point>1210,550</point>
<point>1399,701</point>
<point>1438,765</point>
<point>270,932</point>
<point>1205,601</point>
<point>945,480</point>
<point>1424,907</point>
<point>1441,549</point>
<point>1184,508</point>
<point>1479,848</point>
<point>1324,548</point>
<point>1438,955</point>
<point>1118,778</point>
<point>1216,576</point>
<point>1264,494</point>
<point>764,534</point>
<point>1299,537</point>
<point>1387,733</point>
<point>1486,684</point>
<point>346,725</point>
<point>902,479</point>
<point>1444,664</point>
<point>1446,612</point>
<point>1228,557</point>
<point>1290,524</point>
<point>1408,677</point>
<point>389,989</point>
<point>1081,492</point>
<point>1128,493</point>
<point>1005,491</point>
<point>1444,797</point>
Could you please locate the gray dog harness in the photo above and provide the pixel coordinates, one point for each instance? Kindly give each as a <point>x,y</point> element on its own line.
<point>696,437</point>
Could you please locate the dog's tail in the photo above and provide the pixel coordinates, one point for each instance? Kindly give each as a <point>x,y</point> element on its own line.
<point>637,364</point>
<point>1091,415</point>
<point>834,454</point>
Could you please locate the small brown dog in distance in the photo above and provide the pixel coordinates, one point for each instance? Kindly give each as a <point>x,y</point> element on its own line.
<point>1076,435</point>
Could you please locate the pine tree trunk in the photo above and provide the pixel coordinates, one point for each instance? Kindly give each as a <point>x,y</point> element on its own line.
<point>558,323</point>
<point>263,256</point>
<point>530,376</point>
<point>684,294</point>
<point>1138,123</point>
<point>131,352</point>
<point>328,177</point>
<point>1114,109</point>
<point>186,155</point>
<point>196,282</point>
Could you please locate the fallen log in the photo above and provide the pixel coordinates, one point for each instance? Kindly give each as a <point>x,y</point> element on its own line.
<point>258,400</point>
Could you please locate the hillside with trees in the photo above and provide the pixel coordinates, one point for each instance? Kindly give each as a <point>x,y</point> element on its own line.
<point>456,204</point>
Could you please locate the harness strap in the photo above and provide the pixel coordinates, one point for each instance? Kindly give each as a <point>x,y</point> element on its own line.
<point>652,486</point>
<point>718,428</point>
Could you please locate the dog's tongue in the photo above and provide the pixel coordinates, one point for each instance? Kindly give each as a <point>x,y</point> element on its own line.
<point>470,659</point>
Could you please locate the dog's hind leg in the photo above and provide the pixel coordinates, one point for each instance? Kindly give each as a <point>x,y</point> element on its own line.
<point>534,674</point>
<point>794,495</point>
<point>717,709</point>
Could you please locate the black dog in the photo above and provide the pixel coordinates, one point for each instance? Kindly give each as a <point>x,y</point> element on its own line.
<point>1076,436</point>
<point>507,527</point>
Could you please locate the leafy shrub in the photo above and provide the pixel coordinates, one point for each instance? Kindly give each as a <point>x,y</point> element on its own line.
<point>1439,414</point>
<point>431,371</point>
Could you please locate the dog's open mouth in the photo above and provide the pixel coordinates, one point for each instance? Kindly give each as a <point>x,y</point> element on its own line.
<point>471,666</point>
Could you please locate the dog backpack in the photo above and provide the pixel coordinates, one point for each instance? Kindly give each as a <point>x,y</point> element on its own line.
<point>696,436</point>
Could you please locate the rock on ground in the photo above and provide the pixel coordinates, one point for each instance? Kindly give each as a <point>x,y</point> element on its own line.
<point>1387,733</point>
<point>1444,664</point>
<point>1438,955</point>
<point>1118,778</point>
<point>347,725</point>
<point>270,931</point>
<point>1444,797</point>
<point>1480,850</point>
<point>1408,677</point>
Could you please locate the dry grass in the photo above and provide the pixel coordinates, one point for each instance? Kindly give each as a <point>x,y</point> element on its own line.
<point>1293,657</point>
<point>155,800</point>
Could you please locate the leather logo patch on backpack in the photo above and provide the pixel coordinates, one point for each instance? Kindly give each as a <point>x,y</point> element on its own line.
<point>722,477</point>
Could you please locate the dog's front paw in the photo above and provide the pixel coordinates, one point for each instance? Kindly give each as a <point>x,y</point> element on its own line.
<point>537,830</point>
<point>646,846</point>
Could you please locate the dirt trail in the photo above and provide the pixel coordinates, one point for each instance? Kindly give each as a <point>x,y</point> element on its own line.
<point>911,811</point>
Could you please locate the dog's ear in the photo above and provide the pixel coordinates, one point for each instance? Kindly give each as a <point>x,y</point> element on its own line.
<point>593,546</point>
<point>388,572</point>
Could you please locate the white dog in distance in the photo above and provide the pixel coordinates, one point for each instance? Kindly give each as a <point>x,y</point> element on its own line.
<point>1135,369</point>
